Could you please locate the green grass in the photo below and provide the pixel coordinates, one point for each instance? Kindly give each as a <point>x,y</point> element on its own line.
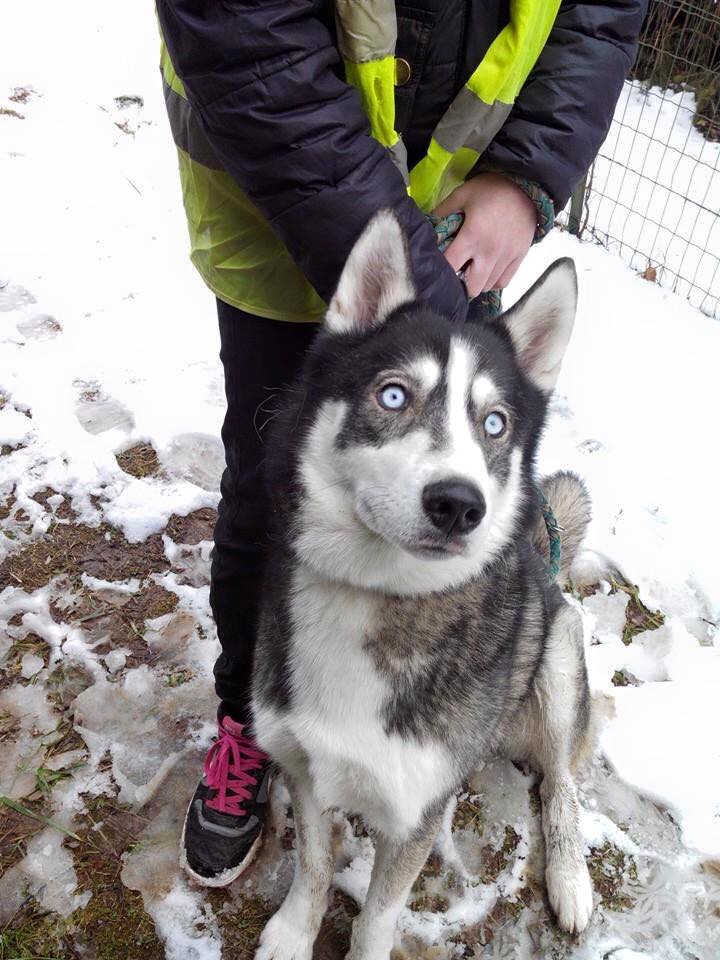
<point>611,870</point>
<point>19,808</point>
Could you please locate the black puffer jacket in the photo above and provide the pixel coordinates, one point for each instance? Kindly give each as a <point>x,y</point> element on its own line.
<point>265,79</point>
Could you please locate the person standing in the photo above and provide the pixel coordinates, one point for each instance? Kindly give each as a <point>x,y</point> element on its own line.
<point>296,121</point>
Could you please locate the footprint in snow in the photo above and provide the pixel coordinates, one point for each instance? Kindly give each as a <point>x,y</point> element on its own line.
<point>98,413</point>
<point>196,457</point>
<point>14,298</point>
<point>39,326</point>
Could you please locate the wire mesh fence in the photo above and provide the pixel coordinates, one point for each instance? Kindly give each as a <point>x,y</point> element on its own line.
<point>653,193</point>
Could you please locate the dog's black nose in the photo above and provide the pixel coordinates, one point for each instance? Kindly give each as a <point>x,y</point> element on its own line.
<point>453,506</point>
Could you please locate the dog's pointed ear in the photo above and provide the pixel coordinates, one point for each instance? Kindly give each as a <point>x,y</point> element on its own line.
<point>541,322</point>
<point>376,279</point>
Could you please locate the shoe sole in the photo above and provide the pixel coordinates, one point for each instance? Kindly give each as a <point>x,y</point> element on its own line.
<point>227,877</point>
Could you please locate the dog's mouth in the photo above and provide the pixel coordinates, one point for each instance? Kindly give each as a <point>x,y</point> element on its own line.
<point>426,545</point>
<point>437,549</point>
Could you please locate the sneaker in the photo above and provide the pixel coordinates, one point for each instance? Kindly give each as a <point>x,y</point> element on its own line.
<point>224,822</point>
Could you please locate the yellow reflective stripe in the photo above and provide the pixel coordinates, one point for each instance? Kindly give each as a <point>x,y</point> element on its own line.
<point>375,82</point>
<point>168,72</point>
<point>438,174</point>
<point>366,29</point>
<point>469,122</point>
<point>233,246</point>
<point>514,52</point>
<point>477,112</point>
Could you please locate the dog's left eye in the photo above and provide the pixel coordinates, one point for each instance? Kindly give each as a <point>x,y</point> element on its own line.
<point>393,397</point>
<point>495,424</point>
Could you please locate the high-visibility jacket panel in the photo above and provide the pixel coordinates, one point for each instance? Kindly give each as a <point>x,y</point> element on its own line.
<point>232,245</point>
<point>265,84</point>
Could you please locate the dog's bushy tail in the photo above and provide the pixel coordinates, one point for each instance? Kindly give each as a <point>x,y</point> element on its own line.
<point>570,503</point>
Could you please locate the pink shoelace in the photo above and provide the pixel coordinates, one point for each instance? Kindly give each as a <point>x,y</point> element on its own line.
<point>229,767</point>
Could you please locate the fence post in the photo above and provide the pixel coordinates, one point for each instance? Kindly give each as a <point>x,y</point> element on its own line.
<point>577,201</point>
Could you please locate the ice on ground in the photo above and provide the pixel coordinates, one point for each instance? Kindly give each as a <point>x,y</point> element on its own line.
<point>186,924</point>
<point>115,660</point>
<point>31,665</point>
<point>48,870</point>
<point>651,898</point>
<point>31,715</point>
<point>184,919</point>
<point>144,740</point>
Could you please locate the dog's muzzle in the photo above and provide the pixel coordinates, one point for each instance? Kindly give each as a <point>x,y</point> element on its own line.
<point>453,507</point>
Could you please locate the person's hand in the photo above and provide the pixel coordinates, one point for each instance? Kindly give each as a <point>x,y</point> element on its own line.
<point>498,230</point>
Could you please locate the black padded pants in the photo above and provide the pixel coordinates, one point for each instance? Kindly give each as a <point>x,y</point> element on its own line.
<point>259,358</point>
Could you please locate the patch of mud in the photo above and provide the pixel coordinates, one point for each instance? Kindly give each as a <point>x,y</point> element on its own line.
<point>114,922</point>
<point>139,461</point>
<point>188,546</point>
<point>55,503</point>
<point>192,529</point>
<point>125,101</point>
<point>612,870</point>
<point>72,549</point>
<point>105,919</point>
<point>15,833</point>
<point>7,505</point>
<point>31,651</point>
<point>113,620</point>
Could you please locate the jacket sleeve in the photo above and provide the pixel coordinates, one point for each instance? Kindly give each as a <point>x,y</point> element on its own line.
<point>563,112</point>
<point>261,75</point>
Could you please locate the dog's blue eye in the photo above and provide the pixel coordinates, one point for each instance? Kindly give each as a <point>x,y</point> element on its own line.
<point>495,424</point>
<point>392,397</point>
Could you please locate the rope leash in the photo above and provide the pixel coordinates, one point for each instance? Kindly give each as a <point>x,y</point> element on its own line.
<point>553,531</point>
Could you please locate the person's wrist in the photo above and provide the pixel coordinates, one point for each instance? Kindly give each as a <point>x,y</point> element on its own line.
<point>543,206</point>
<point>518,192</point>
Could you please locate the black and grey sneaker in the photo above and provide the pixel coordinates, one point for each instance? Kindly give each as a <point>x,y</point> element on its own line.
<point>224,822</point>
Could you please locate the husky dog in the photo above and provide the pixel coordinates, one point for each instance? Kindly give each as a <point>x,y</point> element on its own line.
<point>409,631</point>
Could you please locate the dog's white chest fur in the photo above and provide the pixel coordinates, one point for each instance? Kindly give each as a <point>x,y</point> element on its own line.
<point>337,715</point>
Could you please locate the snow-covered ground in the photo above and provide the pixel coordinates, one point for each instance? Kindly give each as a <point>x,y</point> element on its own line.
<point>108,340</point>
<point>655,193</point>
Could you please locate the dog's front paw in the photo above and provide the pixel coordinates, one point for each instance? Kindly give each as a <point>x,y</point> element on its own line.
<point>571,895</point>
<point>285,939</point>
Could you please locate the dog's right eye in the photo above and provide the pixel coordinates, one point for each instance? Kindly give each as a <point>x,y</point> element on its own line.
<point>393,397</point>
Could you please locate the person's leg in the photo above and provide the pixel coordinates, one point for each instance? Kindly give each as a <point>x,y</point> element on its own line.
<point>260,357</point>
<point>224,822</point>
